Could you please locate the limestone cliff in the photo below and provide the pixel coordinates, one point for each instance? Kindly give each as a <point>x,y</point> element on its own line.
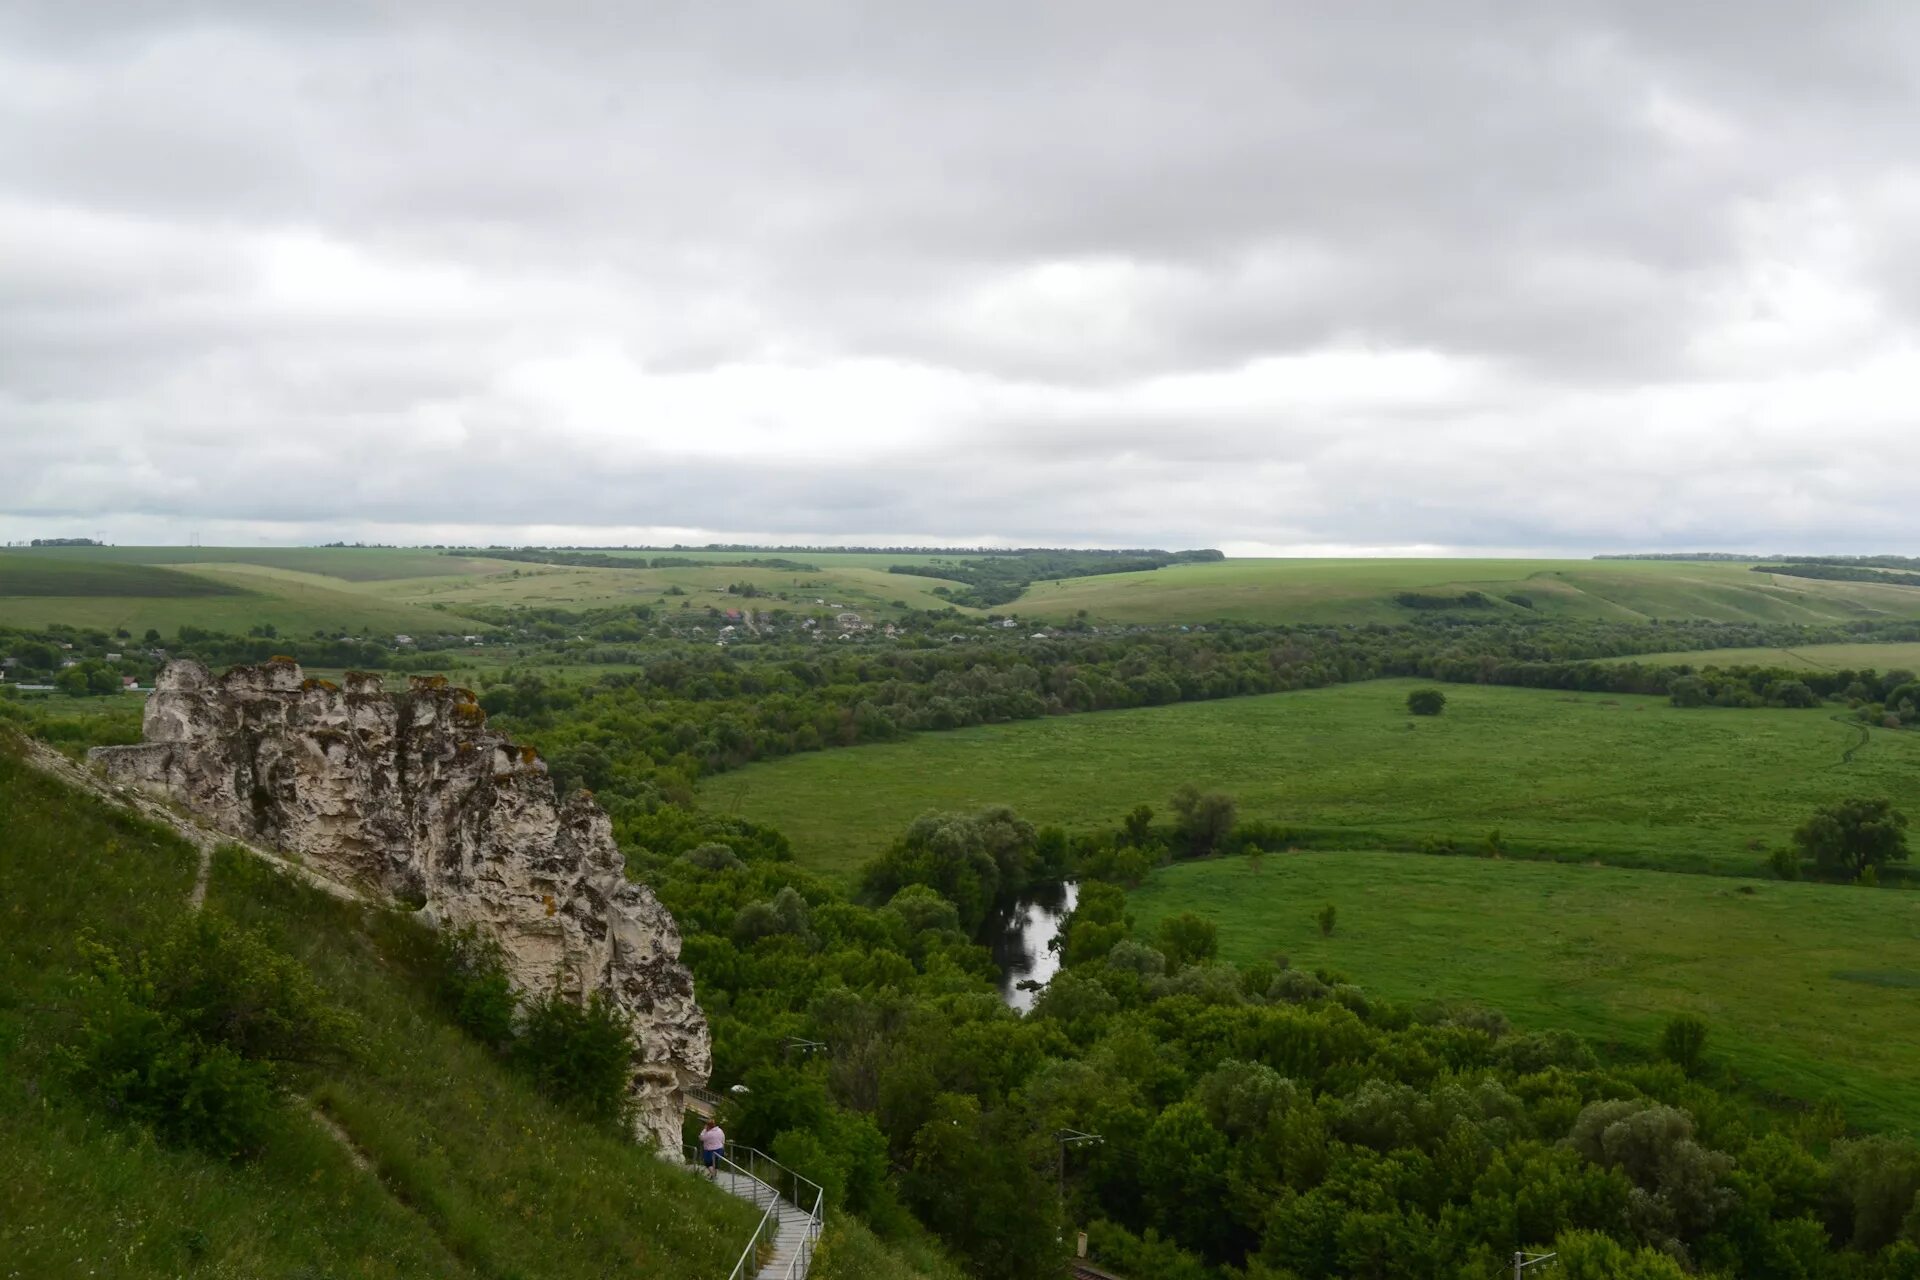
<point>411,796</point>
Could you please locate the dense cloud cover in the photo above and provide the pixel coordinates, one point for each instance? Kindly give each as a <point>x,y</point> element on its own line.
<point>1483,275</point>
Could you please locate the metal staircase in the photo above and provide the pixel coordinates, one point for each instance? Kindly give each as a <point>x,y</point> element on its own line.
<point>792,1211</point>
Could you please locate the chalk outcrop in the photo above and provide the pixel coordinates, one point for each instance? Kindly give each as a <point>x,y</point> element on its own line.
<point>411,796</point>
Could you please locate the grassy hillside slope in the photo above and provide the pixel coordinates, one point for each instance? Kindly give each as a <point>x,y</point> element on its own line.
<point>471,1173</point>
<point>1625,779</point>
<point>1364,590</point>
<point>1812,657</point>
<point>1808,988</point>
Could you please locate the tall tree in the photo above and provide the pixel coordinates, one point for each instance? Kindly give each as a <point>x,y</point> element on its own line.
<point>1848,838</point>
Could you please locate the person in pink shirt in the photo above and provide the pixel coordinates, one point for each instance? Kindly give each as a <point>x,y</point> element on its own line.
<point>713,1139</point>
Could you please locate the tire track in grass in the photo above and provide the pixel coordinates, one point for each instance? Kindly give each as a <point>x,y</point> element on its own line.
<point>1846,757</point>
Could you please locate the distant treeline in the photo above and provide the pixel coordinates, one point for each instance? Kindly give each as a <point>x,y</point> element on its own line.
<point>602,560</point>
<point>695,710</point>
<point>1000,578</point>
<point>735,547</point>
<point>66,542</point>
<point>1864,562</point>
<point>1736,556</point>
<point>1850,571</point>
<point>1775,560</point>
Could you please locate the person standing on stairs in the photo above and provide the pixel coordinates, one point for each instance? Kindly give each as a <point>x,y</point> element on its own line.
<point>713,1140</point>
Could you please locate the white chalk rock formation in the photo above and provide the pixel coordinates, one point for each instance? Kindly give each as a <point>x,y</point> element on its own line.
<point>412,797</point>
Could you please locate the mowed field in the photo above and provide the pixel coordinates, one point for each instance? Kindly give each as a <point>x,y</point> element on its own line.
<point>1813,990</point>
<point>1630,780</point>
<point>37,591</point>
<point>302,589</point>
<point>1334,591</point>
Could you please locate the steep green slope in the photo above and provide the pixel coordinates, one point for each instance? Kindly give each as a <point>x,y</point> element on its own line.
<point>468,1172</point>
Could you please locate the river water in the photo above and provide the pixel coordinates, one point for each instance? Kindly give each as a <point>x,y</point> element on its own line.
<point>1018,935</point>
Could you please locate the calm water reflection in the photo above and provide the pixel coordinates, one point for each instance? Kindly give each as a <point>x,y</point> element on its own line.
<point>1018,936</point>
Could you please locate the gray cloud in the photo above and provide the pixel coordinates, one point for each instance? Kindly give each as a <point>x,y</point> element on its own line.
<point>1485,275</point>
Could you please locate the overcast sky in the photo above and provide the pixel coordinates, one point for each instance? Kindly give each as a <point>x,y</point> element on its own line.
<point>1502,276</point>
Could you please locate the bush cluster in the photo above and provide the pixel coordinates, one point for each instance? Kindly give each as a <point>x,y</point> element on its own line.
<point>194,1039</point>
<point>580,1054</point>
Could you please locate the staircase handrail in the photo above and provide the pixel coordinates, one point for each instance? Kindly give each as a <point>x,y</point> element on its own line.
<point>756,1161</point>
<point>816,1220</point>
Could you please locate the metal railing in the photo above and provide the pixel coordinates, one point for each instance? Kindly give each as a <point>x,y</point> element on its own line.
<point>803,1193</point>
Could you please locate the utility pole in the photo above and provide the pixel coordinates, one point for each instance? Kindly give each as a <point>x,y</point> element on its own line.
<point>1070,1138</point>
<point>1522,1260</point>
<point>803,1044</point>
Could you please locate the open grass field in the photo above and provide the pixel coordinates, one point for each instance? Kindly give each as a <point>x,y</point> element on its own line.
<point>351,564</point>
<point>1622,779</point>
<point>471,1173</point>
<point>1811,989</point>
<point>24,575</point>
<point>292,603</point>
<point>301,589</point>
<point>861,588</point>
<point>1337,591</point>
<point>1813,657</point>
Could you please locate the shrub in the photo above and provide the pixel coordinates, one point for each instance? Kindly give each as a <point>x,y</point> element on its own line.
<point>191,1040</point>
<point>1187,938</point>
<point>1325,918</point>
<point>135,1064</point>
<point>1784,863</point>
<point>1682,1041</point>
<point>1426,702</point>
<point>714,857</point>
<point>579,1055</point>
<point>474,985</point>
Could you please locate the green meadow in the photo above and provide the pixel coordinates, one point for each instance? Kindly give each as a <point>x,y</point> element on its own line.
<point>1358,591</point>
<point>1808,989</point>
<point>1627,780</point>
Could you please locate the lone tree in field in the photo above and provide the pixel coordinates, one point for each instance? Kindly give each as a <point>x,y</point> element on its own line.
<point>1426,702</point>
<point>1853,837</point>
<point>1203,820</point>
